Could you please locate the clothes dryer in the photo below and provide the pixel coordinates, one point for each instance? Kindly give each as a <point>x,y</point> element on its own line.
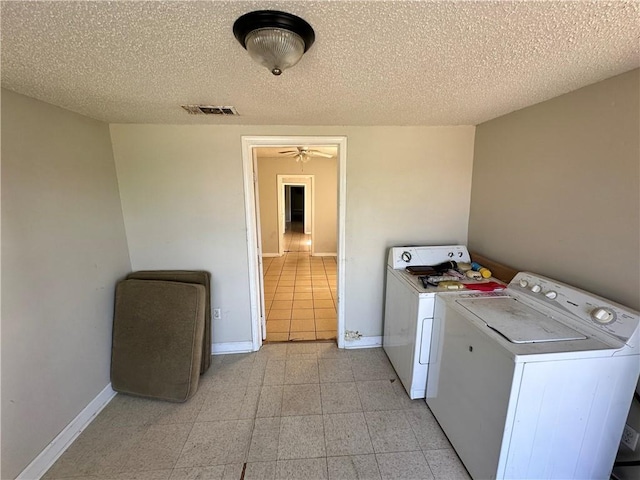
<point>409,307</point>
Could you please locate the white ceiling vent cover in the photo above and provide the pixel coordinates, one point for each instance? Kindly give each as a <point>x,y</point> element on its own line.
<point>210,110</point>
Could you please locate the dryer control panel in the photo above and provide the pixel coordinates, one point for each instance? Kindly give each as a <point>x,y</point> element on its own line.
<point>403,257</point>
<point>589,309</point>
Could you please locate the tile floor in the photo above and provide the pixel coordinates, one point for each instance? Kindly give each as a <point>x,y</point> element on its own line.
<point>303,410</point>
<point>300,291</point>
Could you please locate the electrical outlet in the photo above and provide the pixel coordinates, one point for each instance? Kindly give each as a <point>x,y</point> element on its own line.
<point>217,314</point>
<point>629,437</point>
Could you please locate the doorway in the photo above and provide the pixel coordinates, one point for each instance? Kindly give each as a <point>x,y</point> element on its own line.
<point>259,263</point>
<point>295,196</point>
<point>300,286</point>
<point>295,204</point>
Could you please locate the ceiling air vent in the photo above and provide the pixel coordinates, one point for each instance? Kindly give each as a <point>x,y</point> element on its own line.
<point>210,110</point>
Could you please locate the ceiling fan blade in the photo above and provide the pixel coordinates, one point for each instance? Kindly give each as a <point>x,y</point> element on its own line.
<point>316,153</point>
<point>290,151</point>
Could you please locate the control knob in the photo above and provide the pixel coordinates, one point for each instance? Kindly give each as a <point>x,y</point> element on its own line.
<point>551,294</point>
<point>406,256</point>
<point>523,283</point>
<point>536,288</point>
<point>603,315</point>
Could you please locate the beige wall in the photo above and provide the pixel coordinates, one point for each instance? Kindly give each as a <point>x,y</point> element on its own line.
<point>63,248</point>
<point>183,204</point>
<point>556,189</point>
<point>325,188</point>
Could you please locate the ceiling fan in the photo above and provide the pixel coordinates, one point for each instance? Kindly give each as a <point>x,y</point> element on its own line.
<point>304,154</point>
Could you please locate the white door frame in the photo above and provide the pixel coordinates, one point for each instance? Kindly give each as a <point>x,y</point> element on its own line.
<point>309,212</point>
<point>255,266</point>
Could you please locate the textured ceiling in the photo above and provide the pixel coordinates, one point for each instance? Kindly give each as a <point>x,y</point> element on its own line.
<point>373,62</point>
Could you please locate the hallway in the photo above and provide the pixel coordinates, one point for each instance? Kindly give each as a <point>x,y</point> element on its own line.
<point>300,291</point>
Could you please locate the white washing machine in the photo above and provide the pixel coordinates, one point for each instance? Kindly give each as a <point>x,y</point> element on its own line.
<point>409,308</point>
<point>536,382</point>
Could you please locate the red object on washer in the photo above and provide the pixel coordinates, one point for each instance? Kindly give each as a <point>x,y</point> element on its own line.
<point>485,287</point>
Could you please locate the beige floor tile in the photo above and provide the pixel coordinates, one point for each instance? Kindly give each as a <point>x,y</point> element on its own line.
<point>317,303</point>
<point>283,296</point>
<point>304,303</point>
<point>346,434</point>
<point>277,336</point>
<point>274,314</point>
<point>324,313</point>
<point>355,466</point>
<point>302,313</point>
<point>302,335</point>
<point>304,289</point>
<point>301,400</point>
<point>216,443</point>
<point>303,283</point>
<point>328,335</point>
<point>306,325</point>
<point>285,289</point>
<point>303,296</point>
<point>321,295</point>
<point>278,326</point>
<point>287,283</point>
<point>406,465</point>
<point>282,304</point>
<point>323,324</point>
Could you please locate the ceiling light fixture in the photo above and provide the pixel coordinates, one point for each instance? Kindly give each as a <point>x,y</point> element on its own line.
<point>276,40</point>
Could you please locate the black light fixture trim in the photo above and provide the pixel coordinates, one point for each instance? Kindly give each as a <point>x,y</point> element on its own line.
<point>251,21</point>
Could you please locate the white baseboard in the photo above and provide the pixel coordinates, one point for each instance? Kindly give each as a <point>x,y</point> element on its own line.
<point>43,462</point>
<point>330,254</point>
<point>231,347</point>
<point>363,342</point>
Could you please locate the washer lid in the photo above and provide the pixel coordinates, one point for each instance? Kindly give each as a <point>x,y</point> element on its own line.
<point>517,322</point>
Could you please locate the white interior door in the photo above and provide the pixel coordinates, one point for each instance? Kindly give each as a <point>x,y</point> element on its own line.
<point>260,271</point>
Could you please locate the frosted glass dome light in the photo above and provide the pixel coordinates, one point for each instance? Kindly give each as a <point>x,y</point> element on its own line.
<point>276,40</point>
